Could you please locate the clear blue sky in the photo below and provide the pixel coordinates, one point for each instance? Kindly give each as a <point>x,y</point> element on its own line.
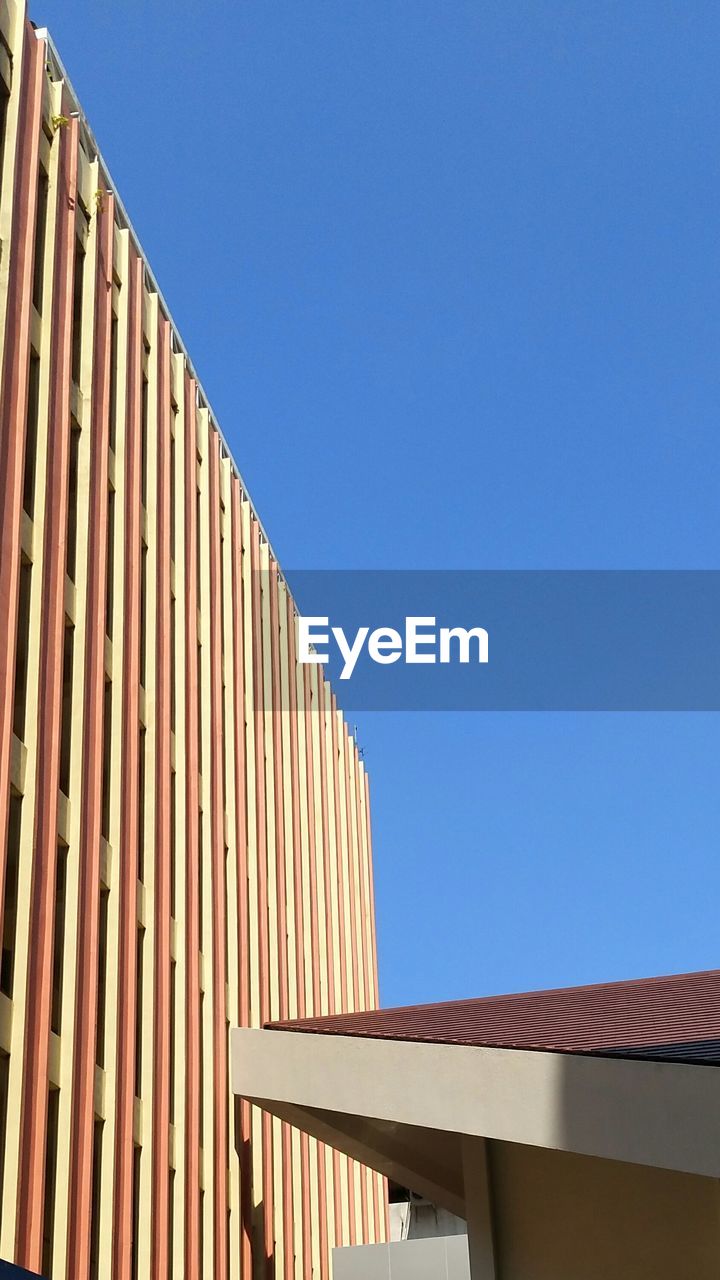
<point>449,273</point>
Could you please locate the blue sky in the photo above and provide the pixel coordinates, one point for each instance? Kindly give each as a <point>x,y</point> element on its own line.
<point>448,272</point>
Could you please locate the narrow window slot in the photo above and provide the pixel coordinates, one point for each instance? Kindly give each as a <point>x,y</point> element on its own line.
<point>31,435</point>
<point>22,643</point>
<point>66,725</point>
<point>72,514</point>
<point>39,246</point>
<point>77,327</point>
<point>59,938</point>
<point>7,967</point>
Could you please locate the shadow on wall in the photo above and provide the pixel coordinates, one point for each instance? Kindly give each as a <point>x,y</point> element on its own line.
<point>256,1241</point>
<point>560,1214</point>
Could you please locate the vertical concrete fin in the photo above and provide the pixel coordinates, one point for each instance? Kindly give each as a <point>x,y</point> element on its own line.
<point>479,1208</point>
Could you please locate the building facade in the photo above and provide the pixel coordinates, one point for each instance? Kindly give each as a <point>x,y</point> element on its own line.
<point>184,822</point>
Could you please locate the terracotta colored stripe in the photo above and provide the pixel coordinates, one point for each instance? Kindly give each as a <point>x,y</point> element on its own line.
<point>268,1190</point>
<point>307,1222</point>
<point>310,784</point>
<point>85,1047</point>
<point>342,935</point>
<point>242,1112</point>
<point>332,941</point>
<point>342,932</point>
<point>15,372</point>
<point>219,903</point>
<point>380,1188</point>
<point>299,917</point>
<point>359,926</point>
<point>366,958</point>
<point>163,850</point>
<point>299,904</point>
<point>326,852</point>
<point>337,1197</point>
<point>375,1179</point>
<point>192,869</point>
<point>380,1184</point>
<point>314,937</point>
<point>323,1203</point>
<point>354,950</point>
<point>360,947</point>
<point>279,811</point>
<point>281,885</point>
<point>362,895</point>
<point>240,761</point>
<point>40,962</point>
<point>364,1219</point>
<point>130,814</point>
<point>259,746</point>
<point>371,876</point>
<point>352,1208</point>
<point>353,975</point>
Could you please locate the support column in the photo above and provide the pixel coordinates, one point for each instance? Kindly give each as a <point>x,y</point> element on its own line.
<point>479,1209</point>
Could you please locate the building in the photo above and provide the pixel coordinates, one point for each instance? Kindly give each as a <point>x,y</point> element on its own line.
<point>577,1131</point>
<point>422,1258</point>
<point>184,824</point>
<point>426,1242</point>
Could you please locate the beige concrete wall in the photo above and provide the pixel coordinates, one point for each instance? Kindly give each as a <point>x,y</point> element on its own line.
<point>559,1216</point>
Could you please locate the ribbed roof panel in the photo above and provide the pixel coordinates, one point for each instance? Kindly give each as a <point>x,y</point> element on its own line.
<point>675,1018</point>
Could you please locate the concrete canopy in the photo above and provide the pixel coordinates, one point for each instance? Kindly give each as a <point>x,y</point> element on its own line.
<point>507,1137</point>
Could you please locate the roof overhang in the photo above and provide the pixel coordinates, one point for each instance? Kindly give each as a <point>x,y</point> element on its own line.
<point>402,1107</point>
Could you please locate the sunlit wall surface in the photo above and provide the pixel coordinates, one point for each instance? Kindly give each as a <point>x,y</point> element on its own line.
<point>184,817</point>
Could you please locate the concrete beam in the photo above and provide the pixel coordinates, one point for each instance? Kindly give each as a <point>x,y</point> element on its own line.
<point>428,1163</point>
<point>661,1114</point>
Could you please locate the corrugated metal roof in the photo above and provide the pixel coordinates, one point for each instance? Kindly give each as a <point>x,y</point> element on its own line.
<point>672,1018</point>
